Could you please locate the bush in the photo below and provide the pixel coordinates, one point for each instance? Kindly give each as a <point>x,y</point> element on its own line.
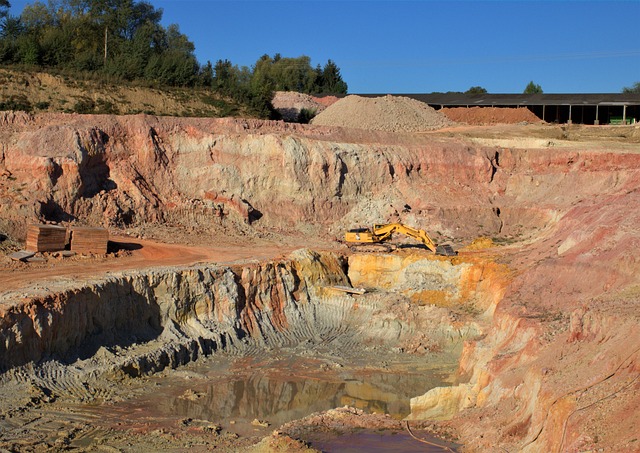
<point>19,102</point>
<point>84,106</point>
<point>306,115</point>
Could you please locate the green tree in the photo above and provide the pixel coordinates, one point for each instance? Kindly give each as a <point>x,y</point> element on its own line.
<point>173,62</point>
<point>476,90</point>
<point>225,79</point>
<point>125,39</point>
<point>633,89</point>
<point>332,80</point>
<point>36,17</point>
<point>56,44</point>
<point>11,28</point>
<point>318,80</point>
<point>205,75</point>
<point>28,51</point>
<point>283,74</point>
<point>296,74</point>
<point>306,115</point>
<point>9,33</point>
<point>4,9</point>
<point>532,88</point>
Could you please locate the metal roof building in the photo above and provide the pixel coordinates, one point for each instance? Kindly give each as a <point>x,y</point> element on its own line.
<point>606,108</point>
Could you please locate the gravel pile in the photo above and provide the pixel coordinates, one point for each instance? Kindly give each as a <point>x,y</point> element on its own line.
<point>387,113</point>
<point>490,115</point>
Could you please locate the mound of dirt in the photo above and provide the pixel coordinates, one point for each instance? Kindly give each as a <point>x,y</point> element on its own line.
<point>290,103</point>
<point>326,100</point>
<point>388,113</point>
<point>490,115</point>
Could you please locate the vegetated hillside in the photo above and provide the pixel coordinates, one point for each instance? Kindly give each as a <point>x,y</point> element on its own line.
<point>41,91</point>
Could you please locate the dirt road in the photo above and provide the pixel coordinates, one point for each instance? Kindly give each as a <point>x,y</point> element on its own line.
<point>136,254</point>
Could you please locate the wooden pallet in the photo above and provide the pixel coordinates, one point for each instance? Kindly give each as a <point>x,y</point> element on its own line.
<point>89,240</point>
<point>46,238</point>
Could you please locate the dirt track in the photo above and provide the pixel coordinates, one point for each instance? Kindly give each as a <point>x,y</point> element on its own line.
<point>136,254</point>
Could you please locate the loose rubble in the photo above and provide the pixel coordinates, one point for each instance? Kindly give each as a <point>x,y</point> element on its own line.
<point>388,113</point>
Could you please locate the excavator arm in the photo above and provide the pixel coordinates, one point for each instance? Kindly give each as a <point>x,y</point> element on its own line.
<point>384,232</point>
<point>421,235</point>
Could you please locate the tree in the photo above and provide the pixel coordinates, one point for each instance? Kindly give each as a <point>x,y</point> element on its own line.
<point>476,90</point>
<point>532,88</point>
<point>11,28</point>
<point>36,17</point>
<point>125,39</point>
<point>332,80</point>
<point>283,74</point>
<point>172,62</point>
<point>205,75</point>
<point>4,12</point>
<point>633,89</point>
<point>225,78</point>
<point>4,8</point>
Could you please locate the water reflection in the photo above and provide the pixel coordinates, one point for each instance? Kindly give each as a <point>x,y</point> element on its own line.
<point>278,398</point>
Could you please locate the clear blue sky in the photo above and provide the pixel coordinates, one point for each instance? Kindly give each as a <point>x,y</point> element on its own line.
<point>422,46</point>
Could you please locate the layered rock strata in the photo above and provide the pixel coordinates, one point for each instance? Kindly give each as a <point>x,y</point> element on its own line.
<point>558,367</point>
<point>173,316</point>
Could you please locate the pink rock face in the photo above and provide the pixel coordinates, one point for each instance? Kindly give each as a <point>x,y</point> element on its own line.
<point>557,369</point>
<point>121,170</point>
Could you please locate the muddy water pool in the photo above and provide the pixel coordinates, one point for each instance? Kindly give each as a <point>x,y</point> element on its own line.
<point>378,442</point>
<point>253,395</point>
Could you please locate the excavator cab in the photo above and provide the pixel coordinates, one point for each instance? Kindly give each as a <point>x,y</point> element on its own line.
<point>361,236</point>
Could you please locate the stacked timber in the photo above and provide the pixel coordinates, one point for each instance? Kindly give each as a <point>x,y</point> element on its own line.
<point>89,240</point>
<point>46,238</point>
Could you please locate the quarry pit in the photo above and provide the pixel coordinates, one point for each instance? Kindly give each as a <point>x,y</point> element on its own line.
<point>214,320</point>
<point>272,342</point>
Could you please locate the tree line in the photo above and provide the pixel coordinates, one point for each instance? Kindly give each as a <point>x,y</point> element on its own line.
<point>123,39</point>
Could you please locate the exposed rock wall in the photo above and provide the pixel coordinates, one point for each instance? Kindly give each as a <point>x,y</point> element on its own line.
<point>123,170</point>
<point>558,369</point>
<point>107,170</point>
<point>214,306</point>
<point>564,320</point>
<point>172,316</point>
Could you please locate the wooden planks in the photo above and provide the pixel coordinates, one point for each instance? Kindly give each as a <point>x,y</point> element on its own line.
<point>53,238</point>
<point>89,240</point>
<point>46,238</point>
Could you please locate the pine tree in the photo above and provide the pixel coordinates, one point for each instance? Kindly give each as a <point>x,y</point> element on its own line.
<point>532,88</point>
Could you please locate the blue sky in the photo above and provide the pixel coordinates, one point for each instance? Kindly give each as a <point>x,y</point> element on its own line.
<point>424,46</point>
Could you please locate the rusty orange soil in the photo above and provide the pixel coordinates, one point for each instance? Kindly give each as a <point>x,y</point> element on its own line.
<point>141,254</point>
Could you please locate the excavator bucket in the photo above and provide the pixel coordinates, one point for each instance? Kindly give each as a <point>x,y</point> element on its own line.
<point>445,250</point>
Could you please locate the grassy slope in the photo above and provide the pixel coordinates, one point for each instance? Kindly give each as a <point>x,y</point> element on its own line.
<point>39,91</point>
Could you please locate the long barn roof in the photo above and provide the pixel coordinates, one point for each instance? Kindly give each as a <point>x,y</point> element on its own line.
<point>461,99</point>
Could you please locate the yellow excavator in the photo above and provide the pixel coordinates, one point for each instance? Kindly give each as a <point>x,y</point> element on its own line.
<point>380,234</point>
